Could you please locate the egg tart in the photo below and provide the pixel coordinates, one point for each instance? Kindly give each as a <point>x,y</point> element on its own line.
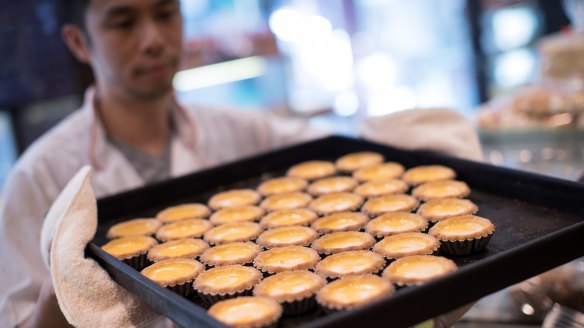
<point>287,236</point>
<point>342,221</point>
<point>287,258</point>
<point>350,264</point>
<point>463,235</point>
<point>426,173</point>
<point>181,248</point>
<point>384,171</point>
<point>233,232</point>
<point>332,185</point>
<point>343,241</point>
<point>189,228</point>
<point>135,227</point>
<point>378,188</point>
<point>228,254</point>
<point>294,290</point>
<point>418,269</point>
<point>389,203</point>
<point>441,189</point>
<point>226,282</point>
<point>286,201</point>
<point>395,223</point>
<point>407,244</point>
<point>354,291</point>
<point>176,274</point>
<point>336,202</point>
<point>355,161</point>
<point>247,312</point>
<point>131,250</point>
<point>184,211</point>
<point>282,218</point>
<point>442,208</point>
<point>312,170</point>
<point>282,185</point>
<point>234,197</point>
<point>237,214</point>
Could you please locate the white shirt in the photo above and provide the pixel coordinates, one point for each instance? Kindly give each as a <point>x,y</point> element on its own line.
<point>204,137</point>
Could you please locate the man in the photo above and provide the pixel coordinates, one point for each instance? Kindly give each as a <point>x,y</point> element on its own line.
<point>130,130</point>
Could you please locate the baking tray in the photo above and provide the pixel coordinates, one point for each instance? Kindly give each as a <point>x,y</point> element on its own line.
<point>539,224</point>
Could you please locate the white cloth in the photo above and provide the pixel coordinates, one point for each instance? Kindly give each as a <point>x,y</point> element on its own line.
<point>205,137</point>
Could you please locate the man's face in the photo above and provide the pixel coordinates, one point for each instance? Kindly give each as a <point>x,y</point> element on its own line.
<point>135,45</point>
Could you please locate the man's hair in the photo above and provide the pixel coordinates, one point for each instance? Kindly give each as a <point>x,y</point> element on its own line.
<point>73,12</point>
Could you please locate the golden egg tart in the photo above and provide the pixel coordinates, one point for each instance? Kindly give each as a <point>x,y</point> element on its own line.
<point>349,264</point>
<point>234,197</point>
<point>181,248</point>
<point>184,211</point>
<point>389,203</point>
<point>237,214</point>
<point>131,250</point>
<point>463,235</point>
<point>247,312</point>
<point>287,258</point>
<point>384,171</point>
<point>312,170</point>
<point>358,160</point>
<point>189,228</point>
<point>176,274</point>
<point>343,241</point>
<point>286,201</point>
<point>336,202</point>
<point>332,185</point>
<point>229,254</point>
<point>135,227</point>
<point>282,185</point>
<point>418,269</point>
<point>353,291</point>
<point>426,173</point>
<point>407,244</point>
<point>442,208</point>
<point>342,221</point>
<point>233,232</point>
<point>395,223</point>
<point>294,290</point>
<point>225,282</point>
<point>376,188</point>
<point>287,236</point>
<point>441,189</point>
<point>283,218</point>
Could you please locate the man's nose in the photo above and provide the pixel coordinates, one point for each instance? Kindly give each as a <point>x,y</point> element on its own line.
<point>152,40</point>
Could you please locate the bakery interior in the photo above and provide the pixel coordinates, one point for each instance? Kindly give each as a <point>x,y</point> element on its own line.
<point>515,68</point>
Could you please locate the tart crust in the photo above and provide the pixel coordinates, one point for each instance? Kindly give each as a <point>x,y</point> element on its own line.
<point>282,185</point>
<point>135,227</point>
<point>229,254</point>
<point>184,211</point>
<point>332,185</point>
<point>181,248</point>
<point>342,221</point>
<point>287,258</point>
<point>290,286</point>
<point>336,202</point>
<point>343,241</point>
<point>286,201</point>
<point>384,171</point>
<point>287,236</point>
<point>407,244</point>
<point>395,223</point>
<point>350,264</point>
<point>233,232</point>
<point>427,173</point>
<point>237,214</point>
<point>234,197</point>
<point>378,188</point>
<point>464,227</point>
<point>282,218</point>
<point>442,208</point>
<point>389,203</point>
<point>351,292</point>
<point>441,189</point>
<point>358,160</point>
<point>312,170</point>
<point>189,228</point>
<point>127,247</point>
<point>227,280</point>
<point>247,312</point>
<point>172,272</point>
<point>418,269</point>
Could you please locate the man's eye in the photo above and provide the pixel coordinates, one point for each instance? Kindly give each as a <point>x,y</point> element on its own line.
<point>123,24</point>
<point>166,14</point>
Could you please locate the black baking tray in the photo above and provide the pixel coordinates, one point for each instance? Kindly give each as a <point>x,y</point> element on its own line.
<point>539,220</point>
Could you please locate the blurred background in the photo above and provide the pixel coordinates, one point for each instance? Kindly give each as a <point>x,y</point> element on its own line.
<point>515,68</point>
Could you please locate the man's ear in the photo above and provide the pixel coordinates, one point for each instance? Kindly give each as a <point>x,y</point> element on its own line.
<point>76,41</point>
